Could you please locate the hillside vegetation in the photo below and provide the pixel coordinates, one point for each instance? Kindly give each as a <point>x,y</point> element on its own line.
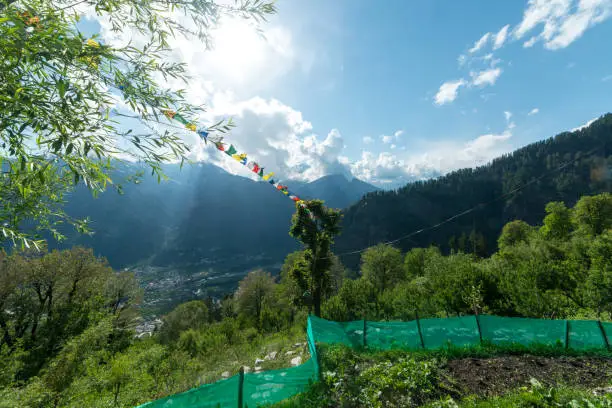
<point>67,320</point>
<point>562,168</point>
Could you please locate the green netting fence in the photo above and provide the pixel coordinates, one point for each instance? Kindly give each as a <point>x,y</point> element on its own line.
<point>256,389</point>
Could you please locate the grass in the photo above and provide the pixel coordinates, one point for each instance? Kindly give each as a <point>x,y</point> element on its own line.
<point>536,395</point>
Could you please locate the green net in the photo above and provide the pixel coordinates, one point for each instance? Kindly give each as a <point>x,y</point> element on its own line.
<point>276,385</point>
<point>585,334</point>
<point>390,335</point>
<point>459,331</point>
<point>347,333</point>
<point>506,330</point>
<point>222,394</point>
<point>273,386</point>
<point>314,356</point>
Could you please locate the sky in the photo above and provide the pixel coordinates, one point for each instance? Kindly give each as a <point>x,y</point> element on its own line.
<point>395,91</point>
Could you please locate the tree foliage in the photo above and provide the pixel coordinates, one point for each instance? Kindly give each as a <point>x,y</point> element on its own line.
<point>253,292</point>
<point>382,265</point>
<point>58,88</point>
<point>315,226</point>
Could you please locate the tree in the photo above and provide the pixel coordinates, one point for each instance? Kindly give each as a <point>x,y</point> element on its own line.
<point>315,226</point>
<point>48,299</point>
<point>414,262</point>
<point>599,280</point>
<point>57,89</point>
<point>514,232</point>
<point>593,214</point>
<point>189,315</point>
<point>252,293</point>
<point>382,265</point>
<point>558,221</point>
<point>289,285</point>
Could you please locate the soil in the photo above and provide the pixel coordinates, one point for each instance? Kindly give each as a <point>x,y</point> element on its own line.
<point>494,376</point>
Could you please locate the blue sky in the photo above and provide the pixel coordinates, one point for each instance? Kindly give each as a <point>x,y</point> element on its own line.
<point>400,90</point>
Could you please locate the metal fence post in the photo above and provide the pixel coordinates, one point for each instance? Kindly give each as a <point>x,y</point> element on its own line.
<point>240,387</point>
<point>603,334</point>
<point>479,329</point>
<point>567,332</point>
<point>416,314</point>
<point>365,328</point>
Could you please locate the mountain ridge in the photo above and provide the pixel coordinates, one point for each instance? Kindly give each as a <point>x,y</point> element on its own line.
<point>388,215</point>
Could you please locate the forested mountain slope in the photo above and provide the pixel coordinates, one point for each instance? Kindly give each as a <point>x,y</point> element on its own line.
<point>387,215</point>
<point>201,213</point>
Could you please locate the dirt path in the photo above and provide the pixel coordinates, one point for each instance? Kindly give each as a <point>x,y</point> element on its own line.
<point>494,376</point>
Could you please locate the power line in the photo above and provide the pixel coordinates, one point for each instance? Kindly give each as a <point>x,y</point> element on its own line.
<point>477,206</point>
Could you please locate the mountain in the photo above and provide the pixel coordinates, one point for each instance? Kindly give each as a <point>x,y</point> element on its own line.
<point>199,232</point>
<point>514,186</point>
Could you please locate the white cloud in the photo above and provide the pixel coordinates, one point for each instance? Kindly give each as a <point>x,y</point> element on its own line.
<point>386,139</point>
<point>534,111</point>
<point>480,43</point>
<point>562,21</point>
<point>393,146</point>
<point>500,37</point>
<point>367,140</point>
<point>486,77</point>
<point>606,78</point>
<point>530,42</point>
<point>509,124</point>
<point>398,133</point>
<point>448,91</point>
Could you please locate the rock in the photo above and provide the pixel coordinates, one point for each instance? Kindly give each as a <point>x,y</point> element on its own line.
<point>271,355</point>
<point>289,353</point>
<point>247,369</point>
<point>258,369</point>
<point>226,374</point>
<point>602,391</point>
<point>258,361</point>
<point>296,361</point>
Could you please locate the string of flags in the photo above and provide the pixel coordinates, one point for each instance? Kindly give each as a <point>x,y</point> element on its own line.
<point>172,115</point>
<point>240,158</point>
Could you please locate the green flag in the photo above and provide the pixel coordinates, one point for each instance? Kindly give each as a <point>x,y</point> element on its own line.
<point>181,119</point>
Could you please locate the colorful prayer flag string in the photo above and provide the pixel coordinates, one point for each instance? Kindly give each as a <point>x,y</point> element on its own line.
<point>240,158</point>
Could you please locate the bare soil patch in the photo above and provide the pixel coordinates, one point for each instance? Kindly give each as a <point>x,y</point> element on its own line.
<point>494,376</point>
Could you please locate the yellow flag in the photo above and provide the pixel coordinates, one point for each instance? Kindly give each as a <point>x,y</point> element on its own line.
<point>191,126</point>
<point>240,158</point>
<point>267,176</point>
<point>93,43</point>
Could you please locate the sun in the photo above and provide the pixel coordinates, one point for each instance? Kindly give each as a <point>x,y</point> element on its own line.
<point>239,51</point>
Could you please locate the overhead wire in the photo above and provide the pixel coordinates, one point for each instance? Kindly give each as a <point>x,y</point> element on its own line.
<point>477,206</point>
